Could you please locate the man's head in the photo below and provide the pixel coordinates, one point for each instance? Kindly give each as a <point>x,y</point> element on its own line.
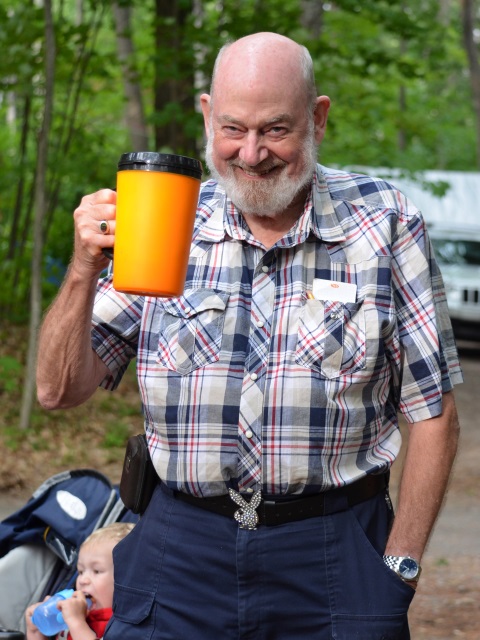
<point>95,563</point>
<point>264,123</point>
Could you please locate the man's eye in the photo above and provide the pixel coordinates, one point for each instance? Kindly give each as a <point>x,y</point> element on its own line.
<point>277,131</point>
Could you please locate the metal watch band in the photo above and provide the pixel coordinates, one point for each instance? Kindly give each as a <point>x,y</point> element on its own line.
<point>394,562</point>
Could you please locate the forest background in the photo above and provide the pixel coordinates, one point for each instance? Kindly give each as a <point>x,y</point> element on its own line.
<point>83,81</point>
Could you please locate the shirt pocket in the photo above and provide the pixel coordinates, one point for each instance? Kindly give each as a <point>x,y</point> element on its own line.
<point>191,329</point>
<point>331,337</point>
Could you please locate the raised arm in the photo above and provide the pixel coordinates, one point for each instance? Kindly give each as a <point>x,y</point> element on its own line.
<point>68,370</point>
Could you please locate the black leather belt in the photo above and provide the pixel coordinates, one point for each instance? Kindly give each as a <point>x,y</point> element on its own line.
<point>271,511</point>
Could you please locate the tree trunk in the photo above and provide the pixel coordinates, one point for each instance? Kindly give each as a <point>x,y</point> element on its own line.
<point>135,114</point>
<point>402,103</point>
<point>312,17</point>
<point>174,77</point>
<point>468,24</point>
<point>444,12</point>
<point>68,118</point>
<point>402,106</point>
<point>17,212</point>
<point>28,395</point>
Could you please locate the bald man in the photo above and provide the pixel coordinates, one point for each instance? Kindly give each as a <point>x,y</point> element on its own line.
<point>313,314</point>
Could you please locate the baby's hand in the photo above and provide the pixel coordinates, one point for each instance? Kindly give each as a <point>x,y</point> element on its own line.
<point>74,612</point>
<point>33,632</point>
<point>74,608</point>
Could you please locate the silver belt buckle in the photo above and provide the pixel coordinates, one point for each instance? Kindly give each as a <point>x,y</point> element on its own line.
<point>246,516</point>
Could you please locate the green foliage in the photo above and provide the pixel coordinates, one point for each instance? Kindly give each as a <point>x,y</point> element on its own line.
<point>232,19</point>
<point>21,57</point>
<point>10,374</point>
<point>442,562</point>
<point>367,54</point>
<point>116,434</point>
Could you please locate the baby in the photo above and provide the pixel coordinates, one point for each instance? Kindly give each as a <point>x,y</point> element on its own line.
<point>95,581</point>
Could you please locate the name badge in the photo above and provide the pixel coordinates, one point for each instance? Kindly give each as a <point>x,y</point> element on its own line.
<point>334,291</point>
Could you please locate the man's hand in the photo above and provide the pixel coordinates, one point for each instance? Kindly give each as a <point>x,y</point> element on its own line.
<point>88,260</point>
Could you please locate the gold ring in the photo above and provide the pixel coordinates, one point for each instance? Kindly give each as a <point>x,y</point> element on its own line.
<point>104,227</point>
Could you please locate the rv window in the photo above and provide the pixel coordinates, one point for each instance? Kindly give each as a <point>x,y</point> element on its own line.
<point>457,251</point>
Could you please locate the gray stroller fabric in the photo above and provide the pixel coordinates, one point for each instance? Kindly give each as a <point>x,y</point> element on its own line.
<point>24,573</point>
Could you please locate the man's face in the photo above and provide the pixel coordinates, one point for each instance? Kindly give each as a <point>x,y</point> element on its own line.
<point>261,146</point>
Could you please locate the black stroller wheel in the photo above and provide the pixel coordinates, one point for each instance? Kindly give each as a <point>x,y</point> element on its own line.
<point>9,634</point>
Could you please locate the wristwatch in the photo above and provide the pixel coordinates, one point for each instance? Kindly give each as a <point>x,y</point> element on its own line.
<point>405,567</point>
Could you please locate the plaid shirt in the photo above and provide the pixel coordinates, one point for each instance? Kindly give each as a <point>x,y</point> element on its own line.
<point>248,383</point>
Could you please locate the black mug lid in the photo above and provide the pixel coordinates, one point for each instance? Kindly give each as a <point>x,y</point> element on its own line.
<point>168,162</point>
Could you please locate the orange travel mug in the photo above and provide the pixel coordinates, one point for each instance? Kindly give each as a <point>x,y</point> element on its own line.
<point>157,196</point>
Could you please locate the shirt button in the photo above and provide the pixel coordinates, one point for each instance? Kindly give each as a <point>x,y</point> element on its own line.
<point>253,376</point>
<point>260,324</point>
<point>249,434</point>
<point>265,269</point>
<point>187,310</point>
<point>249,490</point>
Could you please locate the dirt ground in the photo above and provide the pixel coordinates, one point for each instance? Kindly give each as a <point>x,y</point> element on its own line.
<point>445,606</point>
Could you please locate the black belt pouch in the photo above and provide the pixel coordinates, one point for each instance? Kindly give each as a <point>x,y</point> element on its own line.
<point>139,477</point>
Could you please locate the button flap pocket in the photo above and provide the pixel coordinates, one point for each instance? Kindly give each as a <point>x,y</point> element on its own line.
<point>195,301</point>
<point>132,605</point>
<point>331,337</point>
<point>191,329</point>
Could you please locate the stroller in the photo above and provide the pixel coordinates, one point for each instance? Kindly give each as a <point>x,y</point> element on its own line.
<point>39,543</point>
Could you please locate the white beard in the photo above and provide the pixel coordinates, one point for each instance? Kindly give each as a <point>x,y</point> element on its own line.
<point>267,197</point>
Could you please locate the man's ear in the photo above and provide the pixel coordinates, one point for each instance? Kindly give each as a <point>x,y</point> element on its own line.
<point>205,101</point>
<point>320,117</point>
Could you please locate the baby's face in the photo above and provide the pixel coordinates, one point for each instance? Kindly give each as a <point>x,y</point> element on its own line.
<point>95,572</point>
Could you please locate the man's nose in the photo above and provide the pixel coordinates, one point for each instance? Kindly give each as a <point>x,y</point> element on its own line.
<point>252,151</point>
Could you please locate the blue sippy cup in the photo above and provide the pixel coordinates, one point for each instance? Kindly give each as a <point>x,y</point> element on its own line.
<point>47,618</point>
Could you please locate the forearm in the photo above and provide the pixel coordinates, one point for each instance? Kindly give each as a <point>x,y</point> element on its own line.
<point>430,454</point>
<point>68,370</point>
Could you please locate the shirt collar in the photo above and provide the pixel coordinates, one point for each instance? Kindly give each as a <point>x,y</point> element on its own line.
<point>325,223</point>
<point>319,217</point>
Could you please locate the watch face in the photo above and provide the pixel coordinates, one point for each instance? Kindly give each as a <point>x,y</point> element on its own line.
<point>408,569</point>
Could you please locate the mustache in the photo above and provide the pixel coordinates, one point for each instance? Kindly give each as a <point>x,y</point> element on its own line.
<point>263,167</point>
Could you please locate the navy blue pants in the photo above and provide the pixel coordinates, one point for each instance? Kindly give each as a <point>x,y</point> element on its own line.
<point>186,574</point>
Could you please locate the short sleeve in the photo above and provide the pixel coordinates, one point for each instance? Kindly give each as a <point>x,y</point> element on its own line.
<point>429,364</point>
<point>115,329</point>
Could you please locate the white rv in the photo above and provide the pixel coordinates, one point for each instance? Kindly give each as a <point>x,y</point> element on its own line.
<point>454,226</point>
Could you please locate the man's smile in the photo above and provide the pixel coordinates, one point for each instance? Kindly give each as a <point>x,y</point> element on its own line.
<point>256,173</point>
